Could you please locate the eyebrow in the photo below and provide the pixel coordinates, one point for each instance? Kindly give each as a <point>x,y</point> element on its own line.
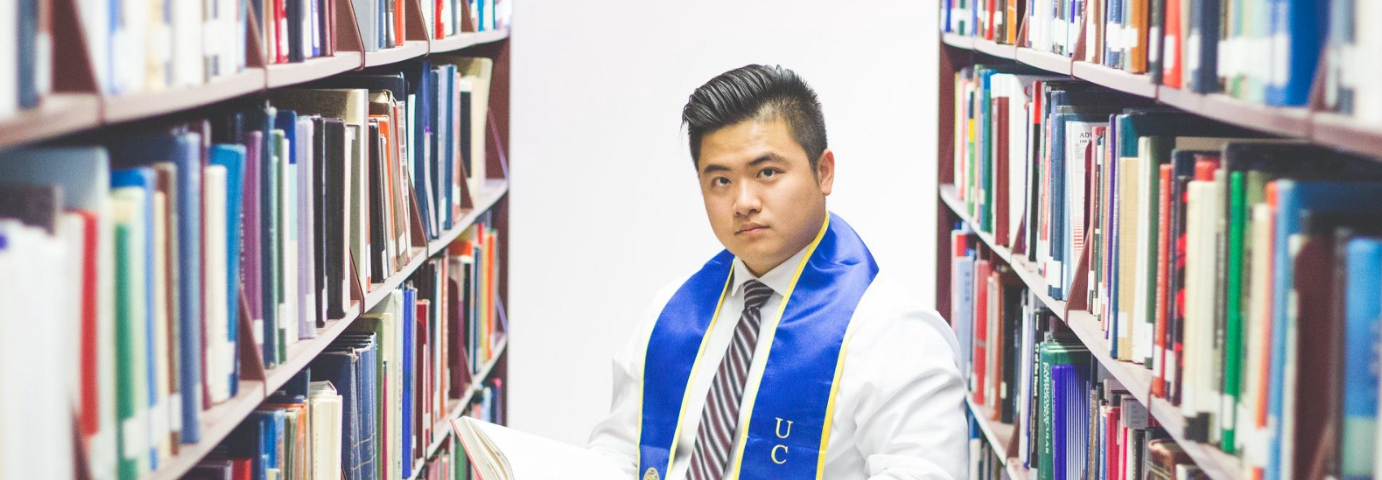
<point>769,157</point>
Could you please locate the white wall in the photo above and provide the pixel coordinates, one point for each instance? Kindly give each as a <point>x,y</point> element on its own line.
<point>604,205</point>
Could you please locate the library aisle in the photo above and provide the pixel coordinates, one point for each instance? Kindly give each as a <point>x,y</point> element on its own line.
<point>287,239</point>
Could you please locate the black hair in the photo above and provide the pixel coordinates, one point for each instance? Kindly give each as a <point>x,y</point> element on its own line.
<point>756,92</point>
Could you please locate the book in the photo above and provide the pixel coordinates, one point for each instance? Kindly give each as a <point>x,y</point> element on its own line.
<point>499,453</point>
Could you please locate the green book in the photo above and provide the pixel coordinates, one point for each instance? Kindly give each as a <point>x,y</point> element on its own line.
<point>1234,302</point>
<point>273,288</point>
<point>131,381</point>
<point>1052,354</point>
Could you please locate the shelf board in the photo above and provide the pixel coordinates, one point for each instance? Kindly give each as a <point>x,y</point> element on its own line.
<point>409,50</point>
<point>998,434</point>
<point>958,41</point>
<point>1182,99</point>
<point>455,407</point>
<point>303,352</point>
<point>378,291</point>
<point>1134,377</point>
<point>216,425</point>
<point>1347,133</point>
<point>1290,122</point>
<point>286,74</point>
<point>138,105</point>
<point>1045,61</point>
<point>1215,463</point>
<point>992,48</point>
<point>493,190</point>
<point>468,39</point>
<point>59,114</point>
<point>1136,84</point>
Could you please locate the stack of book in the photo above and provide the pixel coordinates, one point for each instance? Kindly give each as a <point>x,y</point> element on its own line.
<point>1027,369</point>
<point>292,31</point>
<point>367,406</point>
<point>267,220</point>
<point>1230,266</point>
<point>153,45</point>
<point>1262,51</point>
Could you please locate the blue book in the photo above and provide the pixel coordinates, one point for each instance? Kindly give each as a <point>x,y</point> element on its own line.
<point>1301,23</point>
<point>184,151</point>
<point>448,178</point>
<point>1060,385</point>
<point>28,54</point>
<point>409,377</point>
<point>1293,198</point>
<point>339,367</point>
<point>232,157</point>
<point>1362,310</point>
<point>1204,25</point>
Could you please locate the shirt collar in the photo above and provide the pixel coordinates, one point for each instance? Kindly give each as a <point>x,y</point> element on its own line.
<point>778,279</point>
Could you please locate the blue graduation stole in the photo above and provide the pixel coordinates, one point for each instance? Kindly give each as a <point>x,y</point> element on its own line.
<point>786,434</point>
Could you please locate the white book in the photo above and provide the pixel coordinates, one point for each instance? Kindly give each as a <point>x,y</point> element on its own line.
<point>288,247</point>
<point>501,453</point>
<point>220,354</point>
<point>324,417</point>
<point>189,67</point>
<point>306,238</point>
<point>9,62</point>
<point>158,47</point>
<point>158,419</point>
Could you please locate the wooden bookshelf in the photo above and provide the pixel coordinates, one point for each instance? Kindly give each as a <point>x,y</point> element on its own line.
<point>1136,378</point>
<point>468,39</point>
<point>139,105</point>
<point>59,114</point>
<point>1324,128</point>
<point>288,74</point>
<point>76,106</point>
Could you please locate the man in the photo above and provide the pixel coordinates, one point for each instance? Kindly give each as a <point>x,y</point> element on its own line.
<point>791,355</point>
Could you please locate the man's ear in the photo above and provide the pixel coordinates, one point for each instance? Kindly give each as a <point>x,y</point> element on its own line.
<point>825,171</point>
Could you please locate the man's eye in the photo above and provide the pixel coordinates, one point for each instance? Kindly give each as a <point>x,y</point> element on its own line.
<point>719,181</point>
<point>768,173</point>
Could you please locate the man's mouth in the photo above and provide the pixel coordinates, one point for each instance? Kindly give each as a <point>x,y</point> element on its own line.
<point>749,227</point>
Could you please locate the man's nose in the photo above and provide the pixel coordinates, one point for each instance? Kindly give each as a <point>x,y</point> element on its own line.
<point>747,200</point>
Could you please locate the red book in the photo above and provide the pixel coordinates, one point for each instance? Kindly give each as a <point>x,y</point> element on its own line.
<point>1163,242</point>
<point>280,26</point>
<point>981,275</point>
<point>1170,53</point>
<point>1114,448</point>
<point>242,469</point>
<point>1000,203</point>
<point>398,16</point>
<point>91,389</point>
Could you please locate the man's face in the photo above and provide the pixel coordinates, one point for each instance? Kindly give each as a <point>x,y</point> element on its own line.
<point>763,199</point>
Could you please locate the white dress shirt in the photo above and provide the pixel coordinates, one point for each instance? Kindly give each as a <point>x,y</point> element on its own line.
<point>899,411</point>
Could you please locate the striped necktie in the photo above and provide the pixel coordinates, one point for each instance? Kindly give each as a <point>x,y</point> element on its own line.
<point>720,418</point>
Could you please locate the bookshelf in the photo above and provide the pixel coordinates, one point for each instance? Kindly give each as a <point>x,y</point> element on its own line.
<point>76,108</point>
<point>958,51</point>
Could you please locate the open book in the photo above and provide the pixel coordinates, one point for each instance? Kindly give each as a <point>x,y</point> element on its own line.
<point>501,453</point>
